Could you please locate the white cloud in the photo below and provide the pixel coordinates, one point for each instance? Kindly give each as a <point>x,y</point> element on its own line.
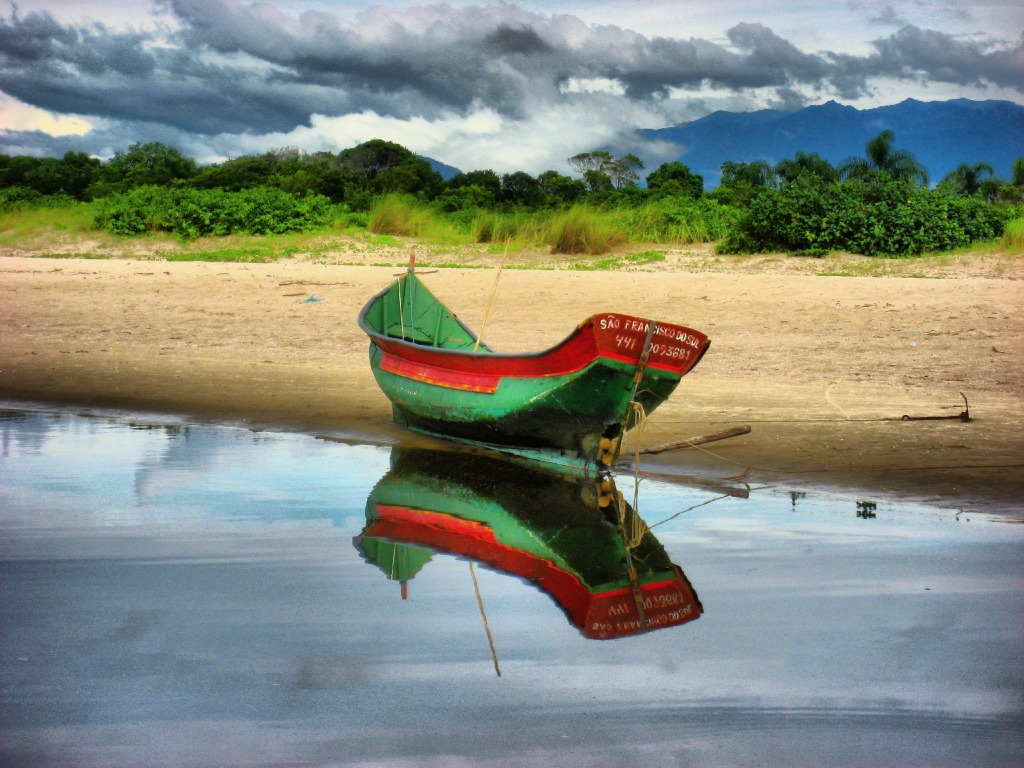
<point>480,139</point>
<point>15,115</point>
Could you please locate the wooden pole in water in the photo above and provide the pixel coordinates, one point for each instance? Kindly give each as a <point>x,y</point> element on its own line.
<point>699,440</point>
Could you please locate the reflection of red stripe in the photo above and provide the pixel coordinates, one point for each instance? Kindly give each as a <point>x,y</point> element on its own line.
<point>600,615</point>
<point>422,517</point>
<point>443,377</point>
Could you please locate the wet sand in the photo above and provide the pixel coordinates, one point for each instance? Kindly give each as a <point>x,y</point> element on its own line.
<point>821,368</point>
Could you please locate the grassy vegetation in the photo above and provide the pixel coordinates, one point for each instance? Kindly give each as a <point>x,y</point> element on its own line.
<point>380,193</point>
<point>1013,236</point>
<point>18,225</point>
<point>679,221</point>
<point>622,261</point>
<point>583,229</point>
<point>580,229</point>
<point>592,237</point>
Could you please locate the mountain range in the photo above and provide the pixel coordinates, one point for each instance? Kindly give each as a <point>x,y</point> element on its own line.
<point>940,135</point>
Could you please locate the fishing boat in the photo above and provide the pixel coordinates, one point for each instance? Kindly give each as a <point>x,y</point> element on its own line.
<point>574,538</point>
<point>569,405</point>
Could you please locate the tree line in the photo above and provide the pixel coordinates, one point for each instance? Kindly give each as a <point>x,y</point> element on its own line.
<point>803,203</point>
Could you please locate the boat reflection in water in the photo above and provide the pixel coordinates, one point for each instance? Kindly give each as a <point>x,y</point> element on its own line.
<point>575,539</point>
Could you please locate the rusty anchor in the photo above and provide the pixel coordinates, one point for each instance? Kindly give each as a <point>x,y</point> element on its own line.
<point>965,414</point>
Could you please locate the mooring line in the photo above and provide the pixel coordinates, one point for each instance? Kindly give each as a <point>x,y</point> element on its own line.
<point>483,613</point>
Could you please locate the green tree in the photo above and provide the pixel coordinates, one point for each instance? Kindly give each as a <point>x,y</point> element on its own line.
<point>70,175</point>
<point>881,158</point>
<point>597,181</point>
<point>471,198</point>
<point>598,160</point>
<point>520,188</point>
<point>238,173</point>
<point>559,189</point>
<point>813,164</point>
<point>593,167</point>
<point>676,179</point>
<point>1017,172</point>
<point>372,157</point>
<point>382,167</point>
<point>757,173</point>
<point>625,172</point>
<point>152,163</point>
<point>14,169</point>
<point>486,180</point>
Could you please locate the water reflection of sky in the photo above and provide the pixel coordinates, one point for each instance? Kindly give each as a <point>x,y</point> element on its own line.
<point>191,596</point>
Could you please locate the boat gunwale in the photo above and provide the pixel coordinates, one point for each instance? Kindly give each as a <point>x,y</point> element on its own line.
<point>467,355</point>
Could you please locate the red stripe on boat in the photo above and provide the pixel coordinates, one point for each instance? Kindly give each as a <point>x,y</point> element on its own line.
<point>442,377</point>
<point>674,348</point>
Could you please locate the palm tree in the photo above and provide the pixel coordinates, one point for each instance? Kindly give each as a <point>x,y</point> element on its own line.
<point>1017,172</point>
<point>967,179</point>
<point>882,158</point>
<point>757,173</point>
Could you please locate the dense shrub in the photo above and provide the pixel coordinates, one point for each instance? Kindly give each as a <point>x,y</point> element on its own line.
<point>881,218</point>
<point>23,198</point>
<point>191,213</point>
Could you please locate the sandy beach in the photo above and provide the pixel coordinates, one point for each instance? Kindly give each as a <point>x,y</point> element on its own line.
<point>821,367</point>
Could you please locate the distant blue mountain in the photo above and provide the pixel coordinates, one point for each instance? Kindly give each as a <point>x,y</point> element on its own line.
<point>446,171</point>
<point>940,135</point>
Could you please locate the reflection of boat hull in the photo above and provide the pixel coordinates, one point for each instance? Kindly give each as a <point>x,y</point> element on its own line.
<point>551,532</point>
<point>552,406</point>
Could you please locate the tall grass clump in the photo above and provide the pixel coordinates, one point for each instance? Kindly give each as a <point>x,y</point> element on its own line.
<point>1013,236</point>
<point>679,220</point>
<point>520,227</point>
<point>398,215</point>
<point>583,229</point>
<point>405,216</point>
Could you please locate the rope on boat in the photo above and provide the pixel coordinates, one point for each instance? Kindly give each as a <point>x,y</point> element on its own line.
<point>639,414</point>
<point>641,367</point>
<point>483,613</point>
<point>490,299</point>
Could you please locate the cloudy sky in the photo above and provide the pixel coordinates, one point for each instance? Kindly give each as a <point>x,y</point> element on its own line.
<point>504,85</point>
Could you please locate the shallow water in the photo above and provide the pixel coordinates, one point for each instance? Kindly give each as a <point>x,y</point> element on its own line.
<point>178,595</point>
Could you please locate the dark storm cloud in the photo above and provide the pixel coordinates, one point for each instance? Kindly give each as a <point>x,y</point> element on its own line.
<point>224,67</point>
<point>914,52</point>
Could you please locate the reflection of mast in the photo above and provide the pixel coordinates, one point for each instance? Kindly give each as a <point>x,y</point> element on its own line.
<point>629,541</point>
<point>400,562</point>
<point>483,615</point>
<point>577,540</point>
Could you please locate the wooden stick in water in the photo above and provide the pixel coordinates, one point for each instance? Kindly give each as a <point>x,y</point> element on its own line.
<point>699,440</point>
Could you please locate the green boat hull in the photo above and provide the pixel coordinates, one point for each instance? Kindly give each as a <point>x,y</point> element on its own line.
<point>568,406</point>
<point>554,416</point>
